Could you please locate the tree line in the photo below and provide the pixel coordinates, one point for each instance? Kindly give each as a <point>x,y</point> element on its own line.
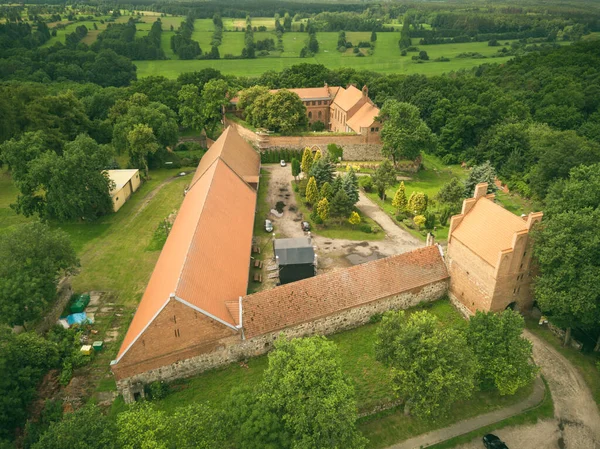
<point>121,39</point>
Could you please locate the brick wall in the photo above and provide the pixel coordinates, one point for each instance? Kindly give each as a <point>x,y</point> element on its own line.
<point>177,333</point>
<point>228,350</point>
<point>356,147</point>
<point>471,278</point>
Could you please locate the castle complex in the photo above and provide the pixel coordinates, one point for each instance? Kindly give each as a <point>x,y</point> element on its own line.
<point>196,315</point>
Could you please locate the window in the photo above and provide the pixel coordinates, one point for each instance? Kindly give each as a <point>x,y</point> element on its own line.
<point>514,291</point>
<point>319,102</point>
<point>377,129</point>
<point>521,267</point>
<point>314,103</point>
<point>117,198</point>
<point>177,334</point>
<point>524,253</point>
<point>372,129</point>
<point>310,115</point>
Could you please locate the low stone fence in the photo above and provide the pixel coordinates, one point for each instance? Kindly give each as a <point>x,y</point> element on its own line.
<point>232,351</point>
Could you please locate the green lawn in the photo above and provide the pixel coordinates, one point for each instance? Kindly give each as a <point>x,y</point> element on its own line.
<point>428,180</point>
<point>386,58</point>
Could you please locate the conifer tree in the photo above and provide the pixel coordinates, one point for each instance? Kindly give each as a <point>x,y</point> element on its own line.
<point>400,202</point>
<point>312,192</point>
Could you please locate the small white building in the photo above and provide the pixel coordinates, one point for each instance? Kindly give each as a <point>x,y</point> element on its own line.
<point>126,182</point>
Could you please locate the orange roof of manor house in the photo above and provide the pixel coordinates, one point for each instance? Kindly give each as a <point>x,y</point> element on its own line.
<point>488,228</point>
<point>214,224</point>
<point>323,295</point>
<point>346,98</point>
<point>364,117</point>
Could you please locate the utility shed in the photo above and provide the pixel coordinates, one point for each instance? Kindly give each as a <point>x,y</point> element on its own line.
<point>295,258</point>
<point>126,182</point>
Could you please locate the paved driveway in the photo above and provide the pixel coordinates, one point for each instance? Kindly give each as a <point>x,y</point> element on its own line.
<point>576,423</point>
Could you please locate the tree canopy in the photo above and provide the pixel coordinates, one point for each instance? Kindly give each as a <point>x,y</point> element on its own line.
<point>404,133</point>
<point>432,366</point>
<point>33,258</point>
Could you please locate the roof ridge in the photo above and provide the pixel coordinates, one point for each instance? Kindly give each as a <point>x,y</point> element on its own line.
<point>187,253</point>
<point>353,268</point>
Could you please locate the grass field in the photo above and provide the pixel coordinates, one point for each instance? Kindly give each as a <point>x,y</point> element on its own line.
<point>386,57</point>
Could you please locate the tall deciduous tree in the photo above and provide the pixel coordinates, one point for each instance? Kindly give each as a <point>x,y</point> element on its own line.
<point>305,388</point>
<point>287,112</point>
<point>142,426</point>
<point>142,143</point>
<point>432,366</point>
<point>24,359</point>
<point>566,249</point>
<point>71,186</point>
<point>190,107</point>
<point>215,96</point>
<point>33,259</point>
<point>404,133</point>
<point>502,353</point>
<point>86,428</point>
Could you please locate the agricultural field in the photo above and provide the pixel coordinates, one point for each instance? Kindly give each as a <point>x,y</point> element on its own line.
<point>386,57</point>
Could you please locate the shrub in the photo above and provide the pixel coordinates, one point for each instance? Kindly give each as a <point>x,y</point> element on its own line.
<point>377,317</point>
<point>157,390</point>
<point>450,159</point>
<point>402,216</point>
<point>408,223</point>
<point>335,152</point>
<point>403,53</point>
<point>429,220</point>
<point>279,206</point>
<point>66,374</point>
<point>365,228</point>
<point>317,126</point>
<point>366,183</point>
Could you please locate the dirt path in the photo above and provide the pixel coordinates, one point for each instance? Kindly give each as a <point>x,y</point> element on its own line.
<point>576,423</point>
<point>335,253</point>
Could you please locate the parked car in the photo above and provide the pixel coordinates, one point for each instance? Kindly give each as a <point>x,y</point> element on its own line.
<point>268,226</point>
<point>305,226</point>
<point>491,441</point>
<point>282,163</point>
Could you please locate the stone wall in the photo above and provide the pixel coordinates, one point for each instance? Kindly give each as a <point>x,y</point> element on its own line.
<point>356,147</point>
<point>232,351</point>
<point>64,292</point>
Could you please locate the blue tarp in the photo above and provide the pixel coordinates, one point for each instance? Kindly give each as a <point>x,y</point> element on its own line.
<point>78,318</point>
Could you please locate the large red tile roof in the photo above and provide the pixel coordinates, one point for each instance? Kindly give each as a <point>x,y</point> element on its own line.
<point>205,260</point>
<point>325,294</point>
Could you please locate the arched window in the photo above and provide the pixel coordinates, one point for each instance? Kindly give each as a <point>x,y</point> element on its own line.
<point>310,114</point>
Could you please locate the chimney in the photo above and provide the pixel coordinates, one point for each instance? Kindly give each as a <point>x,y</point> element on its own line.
<point>480,190</point>
<point>430,239</point>
<point>365,91</point>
